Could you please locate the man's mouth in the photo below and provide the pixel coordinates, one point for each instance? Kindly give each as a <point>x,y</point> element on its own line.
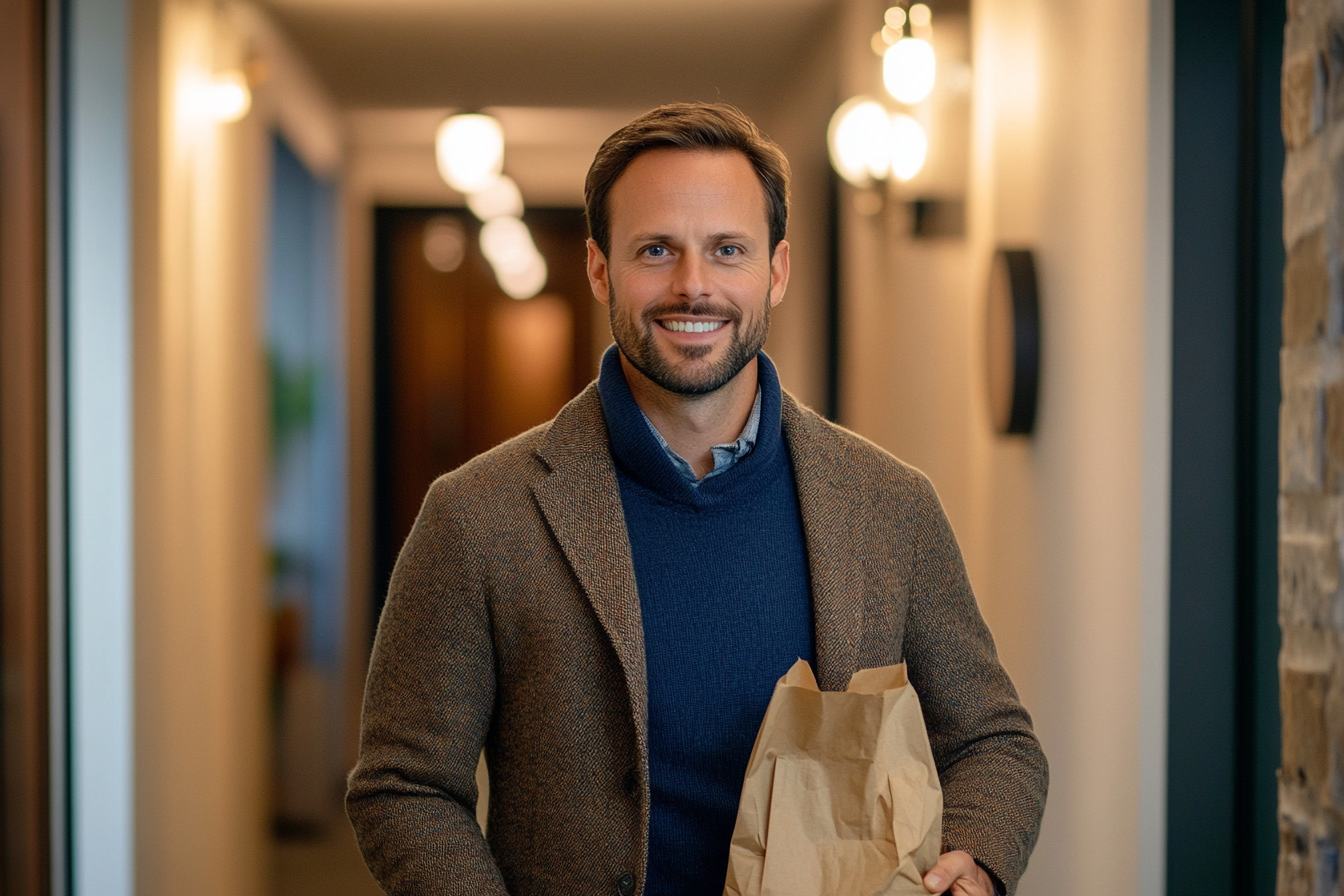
<point>691,326</point>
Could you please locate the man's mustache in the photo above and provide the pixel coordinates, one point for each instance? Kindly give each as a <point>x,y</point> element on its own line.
<point>693,309</point>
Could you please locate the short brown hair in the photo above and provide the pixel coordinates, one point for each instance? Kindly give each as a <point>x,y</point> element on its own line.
<point>705,126</point>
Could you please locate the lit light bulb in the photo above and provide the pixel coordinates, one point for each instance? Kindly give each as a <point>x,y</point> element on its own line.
<point>501,198</point>
<point>506,243</point>
<point>859,138</point>
<point>519,268</point>
<point>469,150</point>
<point>920,16</point>
<point>894,17</point>
<point>444,243</point>
<point>228,97</point>
<point>524,282</point>
<point>909,146</point>
<point>908,69</point>
<point>221,98</point>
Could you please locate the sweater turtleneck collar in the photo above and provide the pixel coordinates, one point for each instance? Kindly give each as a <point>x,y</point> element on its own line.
<point>638,455</point>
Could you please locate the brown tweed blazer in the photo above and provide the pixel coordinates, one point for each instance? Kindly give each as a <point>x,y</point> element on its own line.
<point>512,623</point>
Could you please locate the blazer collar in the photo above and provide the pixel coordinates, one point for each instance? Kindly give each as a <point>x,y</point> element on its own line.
<point>833,510</point>
<point>582,504</point>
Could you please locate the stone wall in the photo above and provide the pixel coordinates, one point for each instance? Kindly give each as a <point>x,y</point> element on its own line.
<point>1311,453</point>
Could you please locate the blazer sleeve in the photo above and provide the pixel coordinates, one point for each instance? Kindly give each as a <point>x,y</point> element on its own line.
<point>990,763</point>
<point>427,707</point>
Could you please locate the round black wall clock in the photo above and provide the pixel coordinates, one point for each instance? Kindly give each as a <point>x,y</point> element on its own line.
<point>1013,341</point>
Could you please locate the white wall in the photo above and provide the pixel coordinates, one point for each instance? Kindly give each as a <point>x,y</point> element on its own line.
<point>202,617</point>
<point>1065,532</point>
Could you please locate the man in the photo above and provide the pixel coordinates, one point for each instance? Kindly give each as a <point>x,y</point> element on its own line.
<point>605,603</point>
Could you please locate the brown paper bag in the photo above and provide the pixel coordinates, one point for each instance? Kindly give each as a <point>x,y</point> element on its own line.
<point>841,796</point>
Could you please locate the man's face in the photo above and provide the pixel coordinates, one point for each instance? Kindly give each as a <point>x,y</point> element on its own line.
<point>689,279</point>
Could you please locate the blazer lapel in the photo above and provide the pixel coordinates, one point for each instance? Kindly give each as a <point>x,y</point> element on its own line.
<point>582,504</point>
<point>833,514</point>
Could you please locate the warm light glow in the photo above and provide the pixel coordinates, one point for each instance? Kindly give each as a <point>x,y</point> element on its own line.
<point>507,244</point>
<point>470,151</point>
<point>221,98</point>
<point>908,69</point>
<point>445,243</point>
<point>228,97</point>
<point>909,147</point>
<point>525,282</point>
<point>895,18</point>
<point>920,16</point>
<point>500,199</point>
<point>860,141</point>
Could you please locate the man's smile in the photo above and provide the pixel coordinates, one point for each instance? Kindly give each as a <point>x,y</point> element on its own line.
<point>692,326</point>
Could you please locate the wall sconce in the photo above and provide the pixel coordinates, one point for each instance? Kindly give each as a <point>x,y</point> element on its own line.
<point>1013,341</point>
<point>222,98</point>
<point>908,140</point>
<point>867,142</point>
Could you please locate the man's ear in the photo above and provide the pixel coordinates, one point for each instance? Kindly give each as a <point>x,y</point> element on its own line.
<point>779,272</point>
<point>598,273</point>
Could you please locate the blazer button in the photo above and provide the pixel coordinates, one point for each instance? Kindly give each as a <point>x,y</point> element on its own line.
<point>625,884</point>
<point>631,783</point>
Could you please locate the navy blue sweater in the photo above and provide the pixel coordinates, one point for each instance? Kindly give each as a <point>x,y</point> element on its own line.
<point>726,604</point>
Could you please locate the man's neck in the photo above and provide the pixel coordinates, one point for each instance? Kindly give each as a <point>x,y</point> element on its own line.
<point>693,424</point>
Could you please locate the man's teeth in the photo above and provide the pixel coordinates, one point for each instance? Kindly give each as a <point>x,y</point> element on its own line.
<point>686,326</point>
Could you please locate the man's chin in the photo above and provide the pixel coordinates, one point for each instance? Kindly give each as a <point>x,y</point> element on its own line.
<point>690,376</point>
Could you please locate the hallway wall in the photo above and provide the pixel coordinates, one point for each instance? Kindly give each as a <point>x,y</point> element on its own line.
<point>1064,532</point>
<point>202,608</point>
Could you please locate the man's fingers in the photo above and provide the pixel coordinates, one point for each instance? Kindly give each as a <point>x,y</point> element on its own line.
<point>949,867</point>
<point>957,867</point>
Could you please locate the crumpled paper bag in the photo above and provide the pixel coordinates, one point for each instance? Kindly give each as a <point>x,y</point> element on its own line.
<point>841,796</point>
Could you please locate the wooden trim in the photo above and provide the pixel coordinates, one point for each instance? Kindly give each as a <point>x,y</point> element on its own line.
<point>24,760</point>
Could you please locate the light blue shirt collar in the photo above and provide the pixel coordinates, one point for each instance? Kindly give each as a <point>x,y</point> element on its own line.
<point>725,455</point>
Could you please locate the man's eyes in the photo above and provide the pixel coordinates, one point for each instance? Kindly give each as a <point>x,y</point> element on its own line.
<point>664,252</point>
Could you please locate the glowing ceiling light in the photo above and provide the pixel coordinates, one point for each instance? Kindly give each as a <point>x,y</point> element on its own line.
<point>506,243</point>
<point>469,150</point>
<point>444,243</point>
<point>920,16</point>
<point>909,146</point>
<point>525,282</point>
<point>500,199</point>
<point>859,138</point>
<point>894,17</point>
<point>519,268</point>
<point>908,69</point>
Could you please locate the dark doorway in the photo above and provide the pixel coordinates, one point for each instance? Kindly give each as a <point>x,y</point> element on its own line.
<point>1223,717</point>
<point>458,365</point>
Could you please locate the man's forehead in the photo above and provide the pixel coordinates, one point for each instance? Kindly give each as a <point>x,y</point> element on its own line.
<point>671,181</point>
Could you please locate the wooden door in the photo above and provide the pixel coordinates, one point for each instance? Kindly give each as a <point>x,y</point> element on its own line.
<point>24,797</point>
<point>460,367</point>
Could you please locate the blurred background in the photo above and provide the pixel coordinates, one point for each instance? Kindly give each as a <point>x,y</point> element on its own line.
<point>268,268</point>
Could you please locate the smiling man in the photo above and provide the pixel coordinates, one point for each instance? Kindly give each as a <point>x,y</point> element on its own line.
<point>604,604</point>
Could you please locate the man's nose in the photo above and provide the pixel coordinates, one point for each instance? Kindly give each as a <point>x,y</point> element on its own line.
<point>691,278</point>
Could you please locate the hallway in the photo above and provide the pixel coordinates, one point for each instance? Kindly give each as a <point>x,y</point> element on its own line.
<point>247,315</point>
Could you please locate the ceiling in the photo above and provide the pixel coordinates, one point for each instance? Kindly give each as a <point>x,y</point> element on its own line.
<point>578,53</point>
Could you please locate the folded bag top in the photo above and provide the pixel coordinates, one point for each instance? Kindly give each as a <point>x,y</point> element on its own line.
<point>841,795</point>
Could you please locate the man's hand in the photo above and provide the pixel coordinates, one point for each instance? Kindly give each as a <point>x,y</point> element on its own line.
<point>957,873</point>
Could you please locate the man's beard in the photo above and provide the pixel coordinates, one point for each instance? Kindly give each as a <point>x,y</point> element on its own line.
<point>636,341</point>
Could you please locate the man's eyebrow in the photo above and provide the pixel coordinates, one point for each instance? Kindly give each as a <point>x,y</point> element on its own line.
<point>653,238</point>
<point>723,236</point>
<point>727,235</point>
